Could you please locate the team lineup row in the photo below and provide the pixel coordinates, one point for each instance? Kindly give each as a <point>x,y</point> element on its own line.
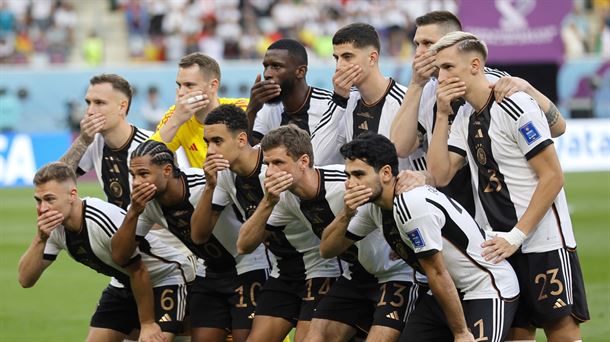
<point>374,211</point>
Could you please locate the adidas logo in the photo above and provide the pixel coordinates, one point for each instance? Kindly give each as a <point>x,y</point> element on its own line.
<point>165,318</point>
<point>393,315</point>
<point>364,126</point>
<point>193,147</point>
<point>479,134</point>
<point>251,316</point>
<point>559,304</point>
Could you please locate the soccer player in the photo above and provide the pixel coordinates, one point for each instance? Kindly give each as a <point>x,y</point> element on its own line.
<point>106,139</point>
<point>302,276</point>
<point>197,81</point>
<point>418,110</point>
<point>519,187</point>
<point>165,195</point>
<point>284,97</point>
<point>373,99</point>
<point>375,290</point>
<point>153,279</point>
<point>471,295</point>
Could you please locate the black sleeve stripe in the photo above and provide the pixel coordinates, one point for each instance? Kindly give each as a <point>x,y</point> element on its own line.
<point>274,228</point>
<point>99,222</point>
<point>403,210</point>
<point>534,151</point>
<point>395,93</point>
<point>257,135</point>
<point>340,100</point>
<point>419,164</point>
<point>353,236</point>
<point>318,97</point>
<point>396,89</point>
<point>195,176</point>
<point>103,216</point>
<point>457,150</point>
<point>426,254</point>
<point>316,90</point>
<point>196,183</point>
<point>49,257</point>
<point>80,172</point>
<point>509,111</point>
<point>513,105</point>
<point>336,179</point>
<point>217,207</point>
<point>334,172</point>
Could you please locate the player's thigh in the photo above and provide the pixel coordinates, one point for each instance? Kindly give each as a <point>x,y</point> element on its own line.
<point>104,335</point>
<point>269,329</point>
<point>380,333</point>
<point>325,330</point>
<point>301,331</point>
<point>427,322</point>
<point>206,334</point>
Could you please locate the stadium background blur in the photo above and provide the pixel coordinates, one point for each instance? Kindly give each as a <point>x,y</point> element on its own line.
<point>49,49</point>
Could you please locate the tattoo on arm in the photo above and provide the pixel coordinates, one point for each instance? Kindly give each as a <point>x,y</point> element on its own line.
<point>75,153</point>
<point>552,115</point>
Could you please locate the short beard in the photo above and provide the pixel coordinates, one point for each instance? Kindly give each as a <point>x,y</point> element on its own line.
<point>287,87</point>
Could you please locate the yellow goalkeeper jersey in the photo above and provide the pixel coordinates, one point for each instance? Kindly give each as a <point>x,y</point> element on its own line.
<point>190,134</point>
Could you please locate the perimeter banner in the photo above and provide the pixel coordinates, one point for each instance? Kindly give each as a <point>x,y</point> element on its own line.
<point>517,30</point>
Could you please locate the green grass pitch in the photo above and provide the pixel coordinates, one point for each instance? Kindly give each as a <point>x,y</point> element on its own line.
<point>59,307</point>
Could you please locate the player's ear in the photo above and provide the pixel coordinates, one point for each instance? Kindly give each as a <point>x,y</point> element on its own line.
<point>386,173</point>
<point>242,139</point>
<point>301,71</point>
<point>168,169</point>
<point>214,85</point>
<point>123,106</point>
<point>373,57</point>
<point>475,65</point>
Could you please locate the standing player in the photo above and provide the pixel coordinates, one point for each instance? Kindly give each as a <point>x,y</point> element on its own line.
<point>418,110</point>
<point>375,100</point>
<point>284,97</point>
<point>446,241</point>
<point>84,228</point>
<point>519,186</point>
<point>106,139</point>
<point>197,82</point>
<point>290,295</point>
<point>164,195</point>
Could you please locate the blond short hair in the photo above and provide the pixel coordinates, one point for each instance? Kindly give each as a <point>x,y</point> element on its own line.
<point>465,41</point>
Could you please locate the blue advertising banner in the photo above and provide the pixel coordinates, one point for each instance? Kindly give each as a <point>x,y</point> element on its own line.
<point>22,154</point>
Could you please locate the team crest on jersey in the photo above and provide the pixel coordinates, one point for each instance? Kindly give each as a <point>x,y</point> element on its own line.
<point>481,155</point>
<point>416,238</point>
<point>529,132</point>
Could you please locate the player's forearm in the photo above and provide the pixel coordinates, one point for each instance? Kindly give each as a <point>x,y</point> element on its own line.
<point>202,220</point>
<point>142,292</point>
<point>556,122</point>
<point>549,186</point>
<point>403,132</point>
<point>438,153</point>
<point>123,242</point>
<point>333,240</point>
<point>446,295</point>
<point>168,131</point>
<point>31,263</point>
<point>75,153</point>
<point>252,233</point>
<point>251,115</point>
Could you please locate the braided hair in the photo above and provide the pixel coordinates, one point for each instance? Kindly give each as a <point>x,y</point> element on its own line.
<point>159,154</point>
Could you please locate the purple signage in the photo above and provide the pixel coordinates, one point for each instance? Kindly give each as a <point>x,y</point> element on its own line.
<point>517,30</point>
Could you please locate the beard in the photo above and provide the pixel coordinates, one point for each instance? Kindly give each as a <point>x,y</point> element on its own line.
<point>376,193</point>
<point>286,88</point>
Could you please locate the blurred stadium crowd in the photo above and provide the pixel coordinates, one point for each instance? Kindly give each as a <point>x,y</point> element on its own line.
<point>59,31</point>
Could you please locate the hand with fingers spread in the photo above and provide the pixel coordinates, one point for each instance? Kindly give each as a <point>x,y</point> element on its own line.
<point>407,180</point>
<point>151,332</point>
<point>213,164</point>
<point>90,125</point>
<point>275,184</point>
<point>502,245</point>
<point>141,194</point>
<point>448,90</point>
<point>508,85</point>
<point>354,197</point>
<point>47,222</point>
<point>423,68</point>
<point>188,104</point>
<point>261,92</point>
<point>344,79</point>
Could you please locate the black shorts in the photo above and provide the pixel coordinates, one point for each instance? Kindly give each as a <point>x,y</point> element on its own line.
<point>225,301</point>
<point>364,304</point>
<point>117,309</point>
<point>487,319</point>
<point>292,300</point>
<point>552,287</point>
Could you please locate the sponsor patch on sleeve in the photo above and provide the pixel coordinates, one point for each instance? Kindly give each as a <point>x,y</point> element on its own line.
<point>529,132</point>
<point>416,238</point>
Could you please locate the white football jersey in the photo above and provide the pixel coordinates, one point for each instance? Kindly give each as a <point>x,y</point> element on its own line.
<point>92,247</point>
<point>220,252</point>
<point>321,116</point>
<point>498,141</point>
<point>430,222</point>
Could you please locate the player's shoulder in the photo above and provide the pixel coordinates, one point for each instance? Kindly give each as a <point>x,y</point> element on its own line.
<point>194,176</point>
<point>396,92</point>
<point>240,102</point>
<point>321,93</point>
<point>517,104</point>
<point>333,173</point>
<point>494,74</point>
